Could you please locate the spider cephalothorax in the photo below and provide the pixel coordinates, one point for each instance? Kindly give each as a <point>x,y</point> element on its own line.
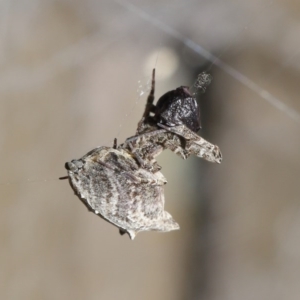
<point>123,184</point>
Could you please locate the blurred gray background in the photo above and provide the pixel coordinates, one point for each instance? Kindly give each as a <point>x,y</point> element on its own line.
<point>74,75</point>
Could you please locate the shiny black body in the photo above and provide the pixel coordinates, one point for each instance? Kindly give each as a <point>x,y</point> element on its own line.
<point>178,107</point>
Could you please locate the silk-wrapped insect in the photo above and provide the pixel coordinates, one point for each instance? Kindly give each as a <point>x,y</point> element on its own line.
<point>123,184</point>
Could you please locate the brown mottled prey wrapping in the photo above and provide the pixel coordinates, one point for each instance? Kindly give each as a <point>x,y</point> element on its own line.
<point>123,184</point>
<point>111,184</point>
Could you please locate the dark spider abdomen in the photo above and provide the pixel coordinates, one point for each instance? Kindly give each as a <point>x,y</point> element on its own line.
<point>178,107</point>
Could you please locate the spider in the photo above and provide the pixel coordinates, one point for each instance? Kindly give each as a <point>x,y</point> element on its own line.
<point>123,184</point>
<point>173,126</point>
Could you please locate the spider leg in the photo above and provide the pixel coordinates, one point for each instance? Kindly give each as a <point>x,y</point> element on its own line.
<point>115,143</point>
<point>150,164</point>
<point>150,107</point>
<point>141,162</point>
<point>176,146</point>
<point>140,139</point>
<point>149,104</point>
<point>195,144</point>
<point>180,130</point>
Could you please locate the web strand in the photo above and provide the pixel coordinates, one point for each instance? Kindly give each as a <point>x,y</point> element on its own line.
<point>238,76</point>
<point>261,12</point>
<point>28,181</point>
